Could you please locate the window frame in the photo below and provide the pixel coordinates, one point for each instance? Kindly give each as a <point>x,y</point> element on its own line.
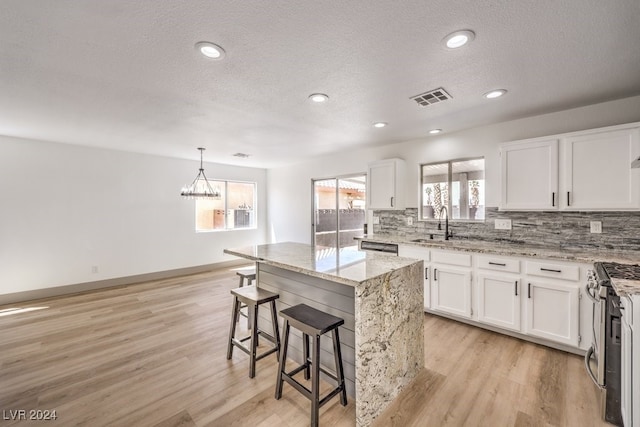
<point>254,209</point>
<point>449,164</point>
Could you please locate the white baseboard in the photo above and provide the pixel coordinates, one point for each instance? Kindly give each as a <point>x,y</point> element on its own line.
<point>18,297</point>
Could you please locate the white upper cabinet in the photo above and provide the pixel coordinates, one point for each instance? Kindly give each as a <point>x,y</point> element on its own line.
<point>587,170</point>
<point>597,171</point>
<point>384,184</point>
<point>529,175</point>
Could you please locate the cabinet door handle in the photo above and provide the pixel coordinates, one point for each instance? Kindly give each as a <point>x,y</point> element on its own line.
<point>553,198</point>
<point>426,273</point>
<point>529,291</point>
<point>551,270</point>
<point>497,263</point>
<point>568,201</point>
<point>435,274</point>
<point>516,287</point>
<point>391,201</point>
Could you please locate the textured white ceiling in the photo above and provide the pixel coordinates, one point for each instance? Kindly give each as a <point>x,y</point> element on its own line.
<point>125,74</point>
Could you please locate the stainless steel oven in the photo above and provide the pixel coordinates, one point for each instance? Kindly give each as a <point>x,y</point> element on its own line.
<point>603,359</point>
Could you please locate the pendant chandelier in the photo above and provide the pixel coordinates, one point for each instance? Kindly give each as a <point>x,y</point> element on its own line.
<point>200,188</point>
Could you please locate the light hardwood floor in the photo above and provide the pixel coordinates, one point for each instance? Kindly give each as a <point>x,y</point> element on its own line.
<point>154,354</point>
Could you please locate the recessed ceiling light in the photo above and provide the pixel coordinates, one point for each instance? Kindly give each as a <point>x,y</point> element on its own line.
<point>318,97</point>
<point>210,50</point>
<point>379,124</point>
<point>458,39</point>
<point>434,131</point>
<point>495,93</point>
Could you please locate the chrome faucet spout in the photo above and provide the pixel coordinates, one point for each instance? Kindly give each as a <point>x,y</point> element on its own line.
<point>447,233</point>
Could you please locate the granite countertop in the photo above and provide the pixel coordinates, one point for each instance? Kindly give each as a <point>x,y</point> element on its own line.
<point>621,286</point>
<point>511,249</point>
<point>348,266</point>
<point>626,287</point>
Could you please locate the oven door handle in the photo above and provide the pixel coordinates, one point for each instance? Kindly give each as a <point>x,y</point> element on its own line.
<point>591,296</point>
<point>587,365</point>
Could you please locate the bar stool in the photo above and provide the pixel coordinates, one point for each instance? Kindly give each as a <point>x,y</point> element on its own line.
<point>315,323</point>
<point>253,297</point>
<point>249,275</point>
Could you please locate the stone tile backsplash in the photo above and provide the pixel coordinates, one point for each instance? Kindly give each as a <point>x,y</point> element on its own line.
<point>560,230</point>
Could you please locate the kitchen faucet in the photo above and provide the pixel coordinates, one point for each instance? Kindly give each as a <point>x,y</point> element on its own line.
<point>447,233</point>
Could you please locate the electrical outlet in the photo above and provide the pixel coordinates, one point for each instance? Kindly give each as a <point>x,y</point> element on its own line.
<point>596,226</point>
<point>376,220</point>
<point>94,269</point>
<point>502,224</point>
<point>409,220</point>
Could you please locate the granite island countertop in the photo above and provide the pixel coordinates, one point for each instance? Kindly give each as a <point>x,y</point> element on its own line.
<point>621,286</point>
<point>348,266</point>
<point>380,296</point>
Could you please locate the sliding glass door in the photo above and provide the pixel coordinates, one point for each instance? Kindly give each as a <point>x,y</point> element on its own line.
<point>338,211</point>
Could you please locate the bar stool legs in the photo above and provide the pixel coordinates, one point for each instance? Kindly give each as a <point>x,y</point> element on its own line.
<point>337,354</point>
<point>253,297</point>
<point>235,313</point>
<point>283,359</point>
<point>305,355</point>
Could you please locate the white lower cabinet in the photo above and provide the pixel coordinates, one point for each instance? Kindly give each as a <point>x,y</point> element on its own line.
<point>451,291</point>
<point>417,252</point>
<point>528,296</point>
<point>552,311</point>
<point>499,301</point>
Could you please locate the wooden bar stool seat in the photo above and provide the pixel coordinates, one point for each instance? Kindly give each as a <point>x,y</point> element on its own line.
<point>252,297</point>
<point>315,323</point>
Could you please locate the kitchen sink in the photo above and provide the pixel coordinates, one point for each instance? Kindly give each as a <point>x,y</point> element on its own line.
<point>432,238</point>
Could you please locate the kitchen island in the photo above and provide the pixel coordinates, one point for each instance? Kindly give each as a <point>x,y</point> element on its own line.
<point>380,297</point>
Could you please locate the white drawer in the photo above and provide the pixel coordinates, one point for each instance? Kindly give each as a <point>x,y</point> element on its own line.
<point>499,264</point>
<point>416,252</point>
<point>453,258</point>
<point>556,271</point>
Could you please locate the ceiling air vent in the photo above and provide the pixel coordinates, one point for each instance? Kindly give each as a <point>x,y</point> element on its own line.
<point>241,155</point>
<point>431,97</point>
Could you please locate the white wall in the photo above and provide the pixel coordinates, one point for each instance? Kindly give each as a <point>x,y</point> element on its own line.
<point>67,208</point>
<point>289,188</point>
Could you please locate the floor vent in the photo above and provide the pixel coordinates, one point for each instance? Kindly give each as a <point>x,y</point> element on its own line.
<point>431,97</point>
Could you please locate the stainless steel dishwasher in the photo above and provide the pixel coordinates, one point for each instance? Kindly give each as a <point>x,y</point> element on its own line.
<point>390,248</point>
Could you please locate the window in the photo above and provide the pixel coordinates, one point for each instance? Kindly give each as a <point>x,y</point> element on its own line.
<point>235,209</point>
<point>457,185</point>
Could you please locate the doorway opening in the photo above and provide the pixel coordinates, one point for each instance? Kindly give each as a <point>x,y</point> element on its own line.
<point>339,211</point>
